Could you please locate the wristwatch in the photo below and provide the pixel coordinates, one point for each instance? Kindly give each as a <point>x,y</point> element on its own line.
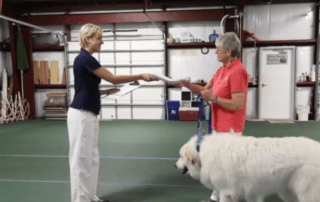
<point>214,99</point>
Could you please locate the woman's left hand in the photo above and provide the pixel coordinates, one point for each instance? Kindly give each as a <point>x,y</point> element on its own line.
<point>149,77</point>
<point>109,91</point>
<point>207,95</point>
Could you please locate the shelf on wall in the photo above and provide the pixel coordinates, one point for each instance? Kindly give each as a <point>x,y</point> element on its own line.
<point>307,42</point>
<point>192,45</point>
<point>50,86</point>
<point>306,84</point>
<point>203,84</point>
<point>251,85</point>
<point>48,48</point>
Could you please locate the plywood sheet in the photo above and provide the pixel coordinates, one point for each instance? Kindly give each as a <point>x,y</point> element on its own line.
<point>54,72</point>
<point>64,80</point>
<point>44,72</point>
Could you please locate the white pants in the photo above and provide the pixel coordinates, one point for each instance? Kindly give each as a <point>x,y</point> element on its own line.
<point>215,194</point>
<point>84,160</point>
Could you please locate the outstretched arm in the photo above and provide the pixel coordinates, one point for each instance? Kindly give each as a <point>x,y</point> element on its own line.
<point>114,79</point>
<point>109,91</point>
<point>194,87</point>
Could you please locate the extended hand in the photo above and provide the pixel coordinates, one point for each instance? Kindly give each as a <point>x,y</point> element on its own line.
<point>109,91</point>
<point>149,77</point>
<point>207,95</point>
<point>183,83</point>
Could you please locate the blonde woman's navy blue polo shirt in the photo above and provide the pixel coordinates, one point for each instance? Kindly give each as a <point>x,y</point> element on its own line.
<point>87,94</point>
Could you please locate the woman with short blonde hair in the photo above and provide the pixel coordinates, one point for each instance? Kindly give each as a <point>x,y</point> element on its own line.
<point>82,121</point>
<point>88,31</point>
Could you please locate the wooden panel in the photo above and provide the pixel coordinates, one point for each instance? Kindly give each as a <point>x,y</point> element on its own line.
<point>1,6</point>
<point>54,72</point>
<point>64,80</point>
<point>44,72</point>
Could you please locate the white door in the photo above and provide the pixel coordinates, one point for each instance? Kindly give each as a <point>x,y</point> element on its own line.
<point>276,82</point>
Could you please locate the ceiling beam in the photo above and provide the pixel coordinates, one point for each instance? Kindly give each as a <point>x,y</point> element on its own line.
<point>50,7</point>
<point>167,16</point>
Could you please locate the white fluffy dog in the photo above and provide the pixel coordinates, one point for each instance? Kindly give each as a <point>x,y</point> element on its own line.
<point>251,168</point>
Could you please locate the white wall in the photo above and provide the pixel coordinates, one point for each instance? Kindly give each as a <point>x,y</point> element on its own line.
<point>250,62</point>
<point>191,63</point>
<point>304,62</point>
<point>280,21</point>
<point>285,22</point>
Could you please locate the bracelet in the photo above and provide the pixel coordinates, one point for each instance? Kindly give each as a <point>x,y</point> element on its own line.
<point>214,100</point>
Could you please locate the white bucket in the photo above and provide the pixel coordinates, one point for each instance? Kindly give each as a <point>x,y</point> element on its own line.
<point>303,112</point>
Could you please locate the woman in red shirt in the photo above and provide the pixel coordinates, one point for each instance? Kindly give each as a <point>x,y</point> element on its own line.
<point>227,91</point>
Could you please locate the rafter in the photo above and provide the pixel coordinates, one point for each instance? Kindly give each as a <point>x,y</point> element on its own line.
<point>169,16</point>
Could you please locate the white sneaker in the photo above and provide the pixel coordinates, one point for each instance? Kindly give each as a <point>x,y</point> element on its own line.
<point>208,200</point>
<point>96,199</point>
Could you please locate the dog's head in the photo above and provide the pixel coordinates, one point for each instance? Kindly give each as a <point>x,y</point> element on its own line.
<point>189,161</point>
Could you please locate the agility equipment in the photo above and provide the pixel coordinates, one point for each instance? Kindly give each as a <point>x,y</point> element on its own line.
<point>14,110</point>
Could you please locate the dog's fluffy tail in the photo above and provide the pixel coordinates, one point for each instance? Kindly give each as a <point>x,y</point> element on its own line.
<point>306,183</point>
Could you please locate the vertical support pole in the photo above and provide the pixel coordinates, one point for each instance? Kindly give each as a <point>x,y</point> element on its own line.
<point>315,109</point>
<point>241,5</point>
<point>68,32</point>
<point>15,72</point>
<point>115,63</point>
<point>28,81</point>
<point>166,68</point>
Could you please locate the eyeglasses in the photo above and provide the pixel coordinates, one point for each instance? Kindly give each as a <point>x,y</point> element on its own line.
<point>220,49</point>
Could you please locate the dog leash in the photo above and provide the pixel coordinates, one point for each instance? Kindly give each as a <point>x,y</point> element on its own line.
<point>200,132</point>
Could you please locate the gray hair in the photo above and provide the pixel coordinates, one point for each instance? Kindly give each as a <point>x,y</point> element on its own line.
<point>229,40</point>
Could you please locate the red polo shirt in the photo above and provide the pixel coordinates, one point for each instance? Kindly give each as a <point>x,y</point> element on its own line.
<point>227,80</point>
